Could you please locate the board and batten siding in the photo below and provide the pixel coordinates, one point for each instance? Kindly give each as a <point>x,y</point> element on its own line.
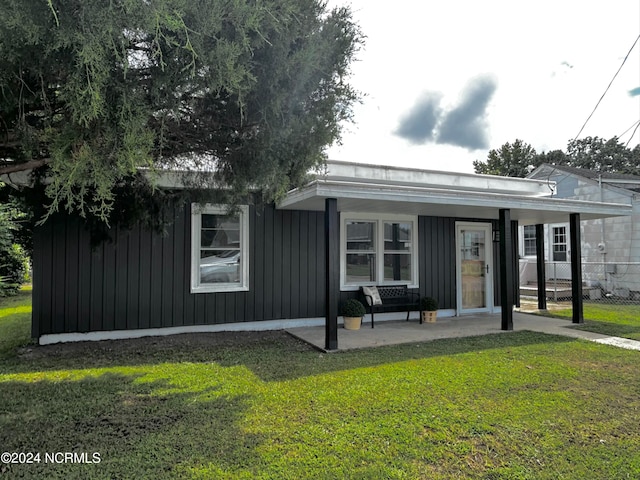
<point>437,259</point>
<point>141,279</point>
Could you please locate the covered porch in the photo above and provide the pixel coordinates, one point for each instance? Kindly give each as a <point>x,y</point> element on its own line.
<point>496,205</point>
<point>399,331</point>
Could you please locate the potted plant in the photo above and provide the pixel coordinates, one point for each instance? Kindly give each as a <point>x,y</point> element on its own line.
<point>352,311</point>
<point>428,309</point>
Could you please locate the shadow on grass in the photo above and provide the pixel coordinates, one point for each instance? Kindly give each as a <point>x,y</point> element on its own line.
<point>271,355</point>
<point>137,432</point>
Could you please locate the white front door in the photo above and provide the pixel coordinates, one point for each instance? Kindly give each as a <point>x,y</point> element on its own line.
<point>474,267</point>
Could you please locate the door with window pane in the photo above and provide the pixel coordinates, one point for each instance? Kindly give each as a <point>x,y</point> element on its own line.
<point>473,243</point>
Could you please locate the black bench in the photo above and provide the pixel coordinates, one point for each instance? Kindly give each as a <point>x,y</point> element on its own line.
<point>395,298</point>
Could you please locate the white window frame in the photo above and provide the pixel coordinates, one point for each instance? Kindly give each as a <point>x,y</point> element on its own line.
<point>553,243</point>
<point>379,220</point>
<point>524,241</point>
<point>196,228</point>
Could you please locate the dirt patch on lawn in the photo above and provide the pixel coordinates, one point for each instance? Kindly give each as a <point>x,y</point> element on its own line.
<point>183,347</point>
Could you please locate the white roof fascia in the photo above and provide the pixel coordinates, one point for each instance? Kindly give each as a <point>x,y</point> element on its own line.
<point>426,195</point>
<point>388,175</point>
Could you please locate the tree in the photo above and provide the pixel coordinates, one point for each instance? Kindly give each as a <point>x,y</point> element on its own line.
<point>13,258</point>
<point>510,160</point>
<point>592,153</point>
<point>601,155</point>
<point>552,157</point>
<point>102,97</point>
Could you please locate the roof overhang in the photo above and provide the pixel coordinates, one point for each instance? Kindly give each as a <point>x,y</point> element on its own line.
<point>403,176</point>
<point>354,196</point>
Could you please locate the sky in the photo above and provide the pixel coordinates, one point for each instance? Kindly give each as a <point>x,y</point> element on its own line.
<point>446,81</point>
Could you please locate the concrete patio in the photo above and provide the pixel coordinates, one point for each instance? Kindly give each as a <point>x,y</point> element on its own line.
<point>399,331</point>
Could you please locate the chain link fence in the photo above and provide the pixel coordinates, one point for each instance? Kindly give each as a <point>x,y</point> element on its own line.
<point>613,283</point>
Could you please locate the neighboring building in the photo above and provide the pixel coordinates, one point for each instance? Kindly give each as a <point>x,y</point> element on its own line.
<point>279,266</point>
<point>610,246</point>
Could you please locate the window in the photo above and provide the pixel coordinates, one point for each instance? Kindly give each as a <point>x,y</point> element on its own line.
<point>559,244</point>
<point>397,251</point>
<point>219,249</point>
<point>361,252</point>
<point>378,250</point>
<point>529,238</point>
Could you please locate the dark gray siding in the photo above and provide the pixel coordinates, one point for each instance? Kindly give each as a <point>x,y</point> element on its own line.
<point>437,258</point>
<point>142,280</point>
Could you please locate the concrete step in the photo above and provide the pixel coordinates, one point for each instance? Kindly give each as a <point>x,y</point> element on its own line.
<point>559,291</point>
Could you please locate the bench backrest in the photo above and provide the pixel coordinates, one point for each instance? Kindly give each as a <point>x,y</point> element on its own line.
<point>393,291</point>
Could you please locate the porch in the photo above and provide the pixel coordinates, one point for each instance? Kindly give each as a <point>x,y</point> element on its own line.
<point>451,221</point>
<point>400,331</point>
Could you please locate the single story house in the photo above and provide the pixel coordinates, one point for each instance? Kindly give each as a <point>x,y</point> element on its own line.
<point>447,235</point>
<point>610,246</point>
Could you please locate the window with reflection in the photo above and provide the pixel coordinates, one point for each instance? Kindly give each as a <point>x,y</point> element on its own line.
<point>219,249</point>
<point>378,250</point>
<point>361,252</point>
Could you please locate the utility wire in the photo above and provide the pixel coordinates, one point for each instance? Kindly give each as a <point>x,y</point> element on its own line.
<point>608,86</point>
<point>627,130</point>
<point>634,132</point>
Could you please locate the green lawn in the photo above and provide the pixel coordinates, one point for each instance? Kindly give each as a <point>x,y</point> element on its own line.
<point>615,320</point>
<point>15,322</point>
<point>510,406</point>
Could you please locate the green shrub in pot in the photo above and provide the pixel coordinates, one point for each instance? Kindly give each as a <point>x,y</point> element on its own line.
<point>353,308</point>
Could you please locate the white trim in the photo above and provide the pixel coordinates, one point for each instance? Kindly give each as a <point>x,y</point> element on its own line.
<point>446,202</point>
<point>196,222</point>
<point>393,175</point>
<point>567,242</point>
<point>521,242</point>
<point>265,325</point>
<point>487,227</point>
<point>379,218</point>
<point>156,332</point>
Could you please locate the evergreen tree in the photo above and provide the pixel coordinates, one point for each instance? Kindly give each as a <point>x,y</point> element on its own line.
<point>245,94</point>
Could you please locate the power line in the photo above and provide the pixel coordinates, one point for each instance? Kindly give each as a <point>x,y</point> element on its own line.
<point>608,86</point>
<point>634,132</point>
<point>623,133</point>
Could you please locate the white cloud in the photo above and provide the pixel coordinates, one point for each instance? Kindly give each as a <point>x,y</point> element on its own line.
<point>415,47</point>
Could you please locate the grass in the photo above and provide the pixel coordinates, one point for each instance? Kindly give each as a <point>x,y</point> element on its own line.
<point>15,321</point>
<point>512,406</point>
<point>615,320</point>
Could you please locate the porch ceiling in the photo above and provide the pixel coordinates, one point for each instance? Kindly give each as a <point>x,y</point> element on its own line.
<point>416,200</point>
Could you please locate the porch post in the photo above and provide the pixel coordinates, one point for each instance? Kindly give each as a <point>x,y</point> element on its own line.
<point>576,268</point>
<point>516,263</point>
<point>506,269</point>
<point>332,272</point>
<point>540,268</point>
